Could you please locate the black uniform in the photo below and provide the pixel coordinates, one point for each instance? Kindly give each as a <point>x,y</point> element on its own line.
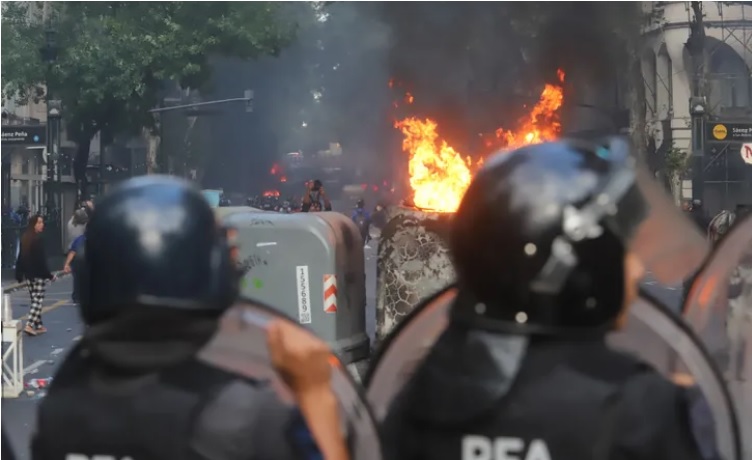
<point>523,370</point>
<point>156,276</point>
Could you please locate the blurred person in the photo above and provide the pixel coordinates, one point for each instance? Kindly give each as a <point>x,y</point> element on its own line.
<point>548,258</point>
<point>362,219</point>
<point>77,224</point>
<point>75,251</point>
<point>315,193</point>
<point>133,386</point>
<point>32,267</point>
<point>378,218</point>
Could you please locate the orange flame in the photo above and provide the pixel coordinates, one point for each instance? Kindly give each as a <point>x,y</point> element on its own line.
<point>439,175</point>
<point>542,123</point>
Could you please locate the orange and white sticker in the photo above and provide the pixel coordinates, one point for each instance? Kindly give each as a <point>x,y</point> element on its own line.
<point>330,294</point>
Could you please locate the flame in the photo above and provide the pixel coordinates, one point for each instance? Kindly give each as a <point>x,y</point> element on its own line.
<point>439,175</point>
<point>542,123</point>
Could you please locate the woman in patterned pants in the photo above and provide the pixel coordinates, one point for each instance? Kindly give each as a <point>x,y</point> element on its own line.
<point>32,267</point>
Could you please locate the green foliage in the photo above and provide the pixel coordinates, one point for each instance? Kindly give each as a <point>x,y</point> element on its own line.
<point>115,57</point>
<point>676,162</point>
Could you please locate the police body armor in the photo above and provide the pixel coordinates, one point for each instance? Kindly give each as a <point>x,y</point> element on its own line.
<point>227,403</point>
<point>603,389</point>
<point>193,411</point>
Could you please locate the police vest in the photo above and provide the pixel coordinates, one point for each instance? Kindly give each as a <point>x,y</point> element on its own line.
<point>191,411</point>
<point>568,402</point>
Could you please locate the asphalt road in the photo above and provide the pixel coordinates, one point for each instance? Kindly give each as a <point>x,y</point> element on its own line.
<point>42,354</point>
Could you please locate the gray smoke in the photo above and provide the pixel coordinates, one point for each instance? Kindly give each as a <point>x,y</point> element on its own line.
<point>472,66</point>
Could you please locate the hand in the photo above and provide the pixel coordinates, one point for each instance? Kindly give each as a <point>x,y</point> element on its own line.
<point>302,360</point>
<point>66,268</point>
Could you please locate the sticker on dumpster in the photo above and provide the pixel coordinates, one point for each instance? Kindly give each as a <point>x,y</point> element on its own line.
<point>330,294</point>
<point>304,294</point>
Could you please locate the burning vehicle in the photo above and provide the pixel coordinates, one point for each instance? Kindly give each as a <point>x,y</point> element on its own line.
<point>413,257</point>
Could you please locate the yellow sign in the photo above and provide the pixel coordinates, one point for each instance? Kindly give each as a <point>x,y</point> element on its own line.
<point>720,132</point>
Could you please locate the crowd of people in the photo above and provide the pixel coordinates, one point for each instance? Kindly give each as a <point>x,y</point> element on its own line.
<point>544,273</point>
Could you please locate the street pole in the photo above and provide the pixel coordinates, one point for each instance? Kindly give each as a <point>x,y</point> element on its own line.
<point>697,103</point>
<point>162,154</point>
<point>54,111</point>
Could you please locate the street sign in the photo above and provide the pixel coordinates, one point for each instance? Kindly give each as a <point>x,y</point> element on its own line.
<point>729,132</point>
<point>24,135</point>
<point>746,152</point>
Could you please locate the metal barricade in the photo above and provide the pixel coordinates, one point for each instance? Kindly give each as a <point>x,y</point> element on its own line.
<point>12,339</point>
<point>13,351</point>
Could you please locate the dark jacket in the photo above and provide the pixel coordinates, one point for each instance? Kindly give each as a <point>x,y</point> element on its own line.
<point>134,389</point>
<point>582,399</point>
<point>32,261</point>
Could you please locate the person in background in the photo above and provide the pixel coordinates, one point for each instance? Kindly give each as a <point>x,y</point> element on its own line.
<point>76,249</point>
<point>77,224</point>
<point>362,219</point>
<point>31,267</point>
<point>315,193</point>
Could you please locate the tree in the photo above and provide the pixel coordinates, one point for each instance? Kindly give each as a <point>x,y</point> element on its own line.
<point>115,58</point>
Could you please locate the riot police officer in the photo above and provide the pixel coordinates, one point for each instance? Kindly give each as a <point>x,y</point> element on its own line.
<point>549,245</point>
<point>156,276</point>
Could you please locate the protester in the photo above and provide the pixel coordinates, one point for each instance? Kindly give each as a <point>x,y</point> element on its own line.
<point>77,224</point>
<point>313,197</point>
<point>74,251</point>
<point>31,267</point>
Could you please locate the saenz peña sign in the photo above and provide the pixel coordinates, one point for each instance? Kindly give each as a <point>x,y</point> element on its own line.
<point>729,132</point>
<point>24,135</point>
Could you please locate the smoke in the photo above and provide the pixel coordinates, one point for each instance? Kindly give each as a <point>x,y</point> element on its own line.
<point>472,66</point>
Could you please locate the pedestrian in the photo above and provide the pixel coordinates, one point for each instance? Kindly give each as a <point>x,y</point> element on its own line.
<point>77,223</point>
<point>549,245</point>
<point>313,197</point>
<point>135,384</point>
<point>31,267</point>
<point>362,219</point>
<point>74,251</point>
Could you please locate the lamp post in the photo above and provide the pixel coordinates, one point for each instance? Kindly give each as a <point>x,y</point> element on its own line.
<point>54,112</point>
<point>697,110</point>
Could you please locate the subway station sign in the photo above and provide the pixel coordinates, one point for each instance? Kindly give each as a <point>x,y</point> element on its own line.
<point>729,132</point>
<point>24,135</point>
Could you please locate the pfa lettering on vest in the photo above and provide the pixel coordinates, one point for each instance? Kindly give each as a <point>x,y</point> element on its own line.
<point>482,448</point>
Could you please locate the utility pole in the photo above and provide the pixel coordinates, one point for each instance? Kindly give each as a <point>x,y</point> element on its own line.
<point>698,100</point>
<point>247,98</point>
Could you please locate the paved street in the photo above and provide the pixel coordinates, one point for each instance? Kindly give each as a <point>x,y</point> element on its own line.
<point>42,354</point>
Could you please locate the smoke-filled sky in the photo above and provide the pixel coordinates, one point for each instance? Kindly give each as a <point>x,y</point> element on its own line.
<point>471,66</point>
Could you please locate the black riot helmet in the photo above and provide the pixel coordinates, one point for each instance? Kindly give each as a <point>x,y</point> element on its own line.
<point>540,238</point>
<point>155,242</point>
<point>360,204</point>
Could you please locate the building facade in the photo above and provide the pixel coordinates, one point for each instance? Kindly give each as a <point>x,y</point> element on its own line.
<point>669,80</point>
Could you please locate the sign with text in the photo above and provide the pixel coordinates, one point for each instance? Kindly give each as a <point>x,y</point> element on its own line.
<point>746,152</point>
<point>24,135</point>
<point>729,132</point>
